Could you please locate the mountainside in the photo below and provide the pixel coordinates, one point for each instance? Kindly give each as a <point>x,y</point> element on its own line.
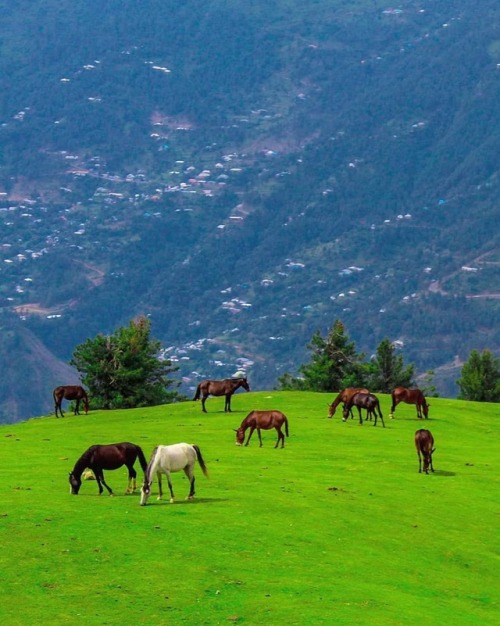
<point>245,175</point>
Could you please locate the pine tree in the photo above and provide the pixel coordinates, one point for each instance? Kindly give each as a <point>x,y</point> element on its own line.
<point>123,370</point>
<point>387,369</point>
<point>334,363</point>
<point>480,378</point>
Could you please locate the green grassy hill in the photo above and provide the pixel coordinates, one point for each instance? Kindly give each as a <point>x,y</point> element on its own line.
<point>338,527</point>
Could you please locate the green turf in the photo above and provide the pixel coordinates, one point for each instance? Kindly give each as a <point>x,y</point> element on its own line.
<point>337,528</point>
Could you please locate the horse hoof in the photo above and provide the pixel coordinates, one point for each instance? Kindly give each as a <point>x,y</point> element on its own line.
<point>172,500</point>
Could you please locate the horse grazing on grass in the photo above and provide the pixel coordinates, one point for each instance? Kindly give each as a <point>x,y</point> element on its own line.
<point>424,442</point>
<point>364,401</point>
<point>168,459</point>
<point>262,420</point>
<point>344,396</point>
<point>410,396</point>
<point>108,457</point>
<point>220,388</point>
<point>70,392</point>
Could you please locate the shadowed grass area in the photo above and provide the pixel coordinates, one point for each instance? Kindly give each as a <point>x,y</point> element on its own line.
<point>339,527</point>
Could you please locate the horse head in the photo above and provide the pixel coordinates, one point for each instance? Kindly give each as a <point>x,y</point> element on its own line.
<point>331,410</point>
<point>244,384</point>
<point>240,436</point>
<point>145,491</point>
<point>75,484</point>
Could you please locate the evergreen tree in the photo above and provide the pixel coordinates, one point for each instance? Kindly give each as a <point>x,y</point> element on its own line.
<point>334,363</point>
<point>123,370</point>
<point>387,369</point>
<point>480,378</point>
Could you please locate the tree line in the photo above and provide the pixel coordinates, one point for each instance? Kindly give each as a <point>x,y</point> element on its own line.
<point>126,369</point>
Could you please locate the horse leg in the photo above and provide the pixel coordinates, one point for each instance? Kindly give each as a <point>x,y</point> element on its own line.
<point>190,475</point>
<point>203,398</point>
<point>393,408</point>
<point>381,417</point>
<point>260,437</point>
<point>132,475</point>
<point>160,488</point>
<point>77,407</point>
<point>252,428</point>
<point>227,406</point>
<point>281,437</point>
<point>419,462</point>
<point>106,485</point>
<point>169,480</point>
<point>360,418</point>
<point>99,475</point>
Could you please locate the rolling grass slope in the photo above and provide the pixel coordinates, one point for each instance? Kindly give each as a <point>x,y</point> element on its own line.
<point>339,527</point>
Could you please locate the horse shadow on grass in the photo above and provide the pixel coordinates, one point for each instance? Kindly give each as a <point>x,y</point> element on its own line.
<point>444,473</point>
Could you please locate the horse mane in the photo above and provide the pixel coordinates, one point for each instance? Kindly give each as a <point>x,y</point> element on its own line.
<point>82,462</point>
<point>150,464</point>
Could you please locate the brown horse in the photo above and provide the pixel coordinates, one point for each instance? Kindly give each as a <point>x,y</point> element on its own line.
<point>410,396</point>
<point>70,392</point>
<point>262,420</point>
<point>344,396</point>
<point>219,388</point>
<point>108,457</point>
<point>424,442</point>
<point>364,401</point>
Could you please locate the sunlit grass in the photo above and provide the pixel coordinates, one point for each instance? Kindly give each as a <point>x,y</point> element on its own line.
<point>339,527</point>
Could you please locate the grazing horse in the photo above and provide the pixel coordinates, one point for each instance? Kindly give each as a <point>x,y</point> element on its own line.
<point>424,442</point>
<point>70,392</point>
<point>262,420</point>
<point>364,401</point>
<point>344,396</point>
<point>410,396</point>
<point>167,459</point>
<point>109,457</point>
<point>219,388</point>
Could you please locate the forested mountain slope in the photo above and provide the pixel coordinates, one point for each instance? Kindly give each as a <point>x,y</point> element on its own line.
<point>245,175</point>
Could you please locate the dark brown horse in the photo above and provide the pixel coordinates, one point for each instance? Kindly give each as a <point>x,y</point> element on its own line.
<point>70,392</point>
<point>262,420</point>
<point>410,396</point>
<point>364,401</point>
<point>219,388</point>
<point>108,457</point>
<point>344,396</point>
<point>424,442</point>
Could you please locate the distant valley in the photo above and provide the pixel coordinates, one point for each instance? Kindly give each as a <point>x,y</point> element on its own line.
<point>244,176</point>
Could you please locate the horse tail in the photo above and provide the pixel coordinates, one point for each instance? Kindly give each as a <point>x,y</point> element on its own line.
<point>200,460</point>
<point>198,392</point>
<point>379,410</point>
<point>286,425</point>
<point>142,459</point>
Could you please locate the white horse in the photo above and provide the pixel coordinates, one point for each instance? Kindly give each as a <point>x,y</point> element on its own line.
<point>167,459</point>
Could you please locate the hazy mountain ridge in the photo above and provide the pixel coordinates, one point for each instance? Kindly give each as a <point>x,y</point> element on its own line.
<point>264,169</point>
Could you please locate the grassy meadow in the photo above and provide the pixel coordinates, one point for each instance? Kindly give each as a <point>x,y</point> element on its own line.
<point>337,528</point>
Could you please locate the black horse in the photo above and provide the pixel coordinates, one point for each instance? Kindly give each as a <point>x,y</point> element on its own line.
<point>219,388</point>
<point>70,392</point>
<point>108,457</point>
<point>364,401</point>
